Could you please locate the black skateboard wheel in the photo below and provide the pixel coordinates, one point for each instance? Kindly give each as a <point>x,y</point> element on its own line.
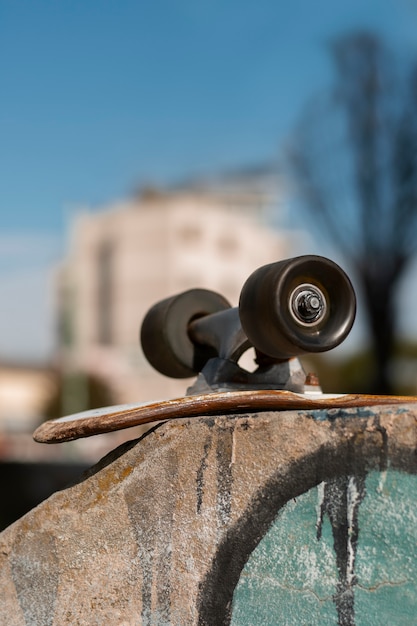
<point>305,304</point>
<point>164,333</point>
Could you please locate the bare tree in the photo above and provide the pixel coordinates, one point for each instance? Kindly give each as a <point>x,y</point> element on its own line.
<point>355,162</point>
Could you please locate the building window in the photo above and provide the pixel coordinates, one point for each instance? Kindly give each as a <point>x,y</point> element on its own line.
<point>228,245</point>
<point>105,288</point>
<point>190,234</point>
<point>65,318</point>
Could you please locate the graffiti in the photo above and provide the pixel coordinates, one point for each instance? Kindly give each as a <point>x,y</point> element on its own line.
<point>363,544</point>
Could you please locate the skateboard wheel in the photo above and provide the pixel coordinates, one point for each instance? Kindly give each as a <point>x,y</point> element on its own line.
<point>305,304</point>
<point>164,333</point>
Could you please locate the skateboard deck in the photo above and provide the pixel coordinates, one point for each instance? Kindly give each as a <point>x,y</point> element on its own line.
<point>112,418</point>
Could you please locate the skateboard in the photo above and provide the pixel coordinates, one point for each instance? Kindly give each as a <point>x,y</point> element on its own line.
<point>286,309</point>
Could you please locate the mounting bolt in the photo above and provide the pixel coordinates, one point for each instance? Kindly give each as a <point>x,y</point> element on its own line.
<point>312,380</point>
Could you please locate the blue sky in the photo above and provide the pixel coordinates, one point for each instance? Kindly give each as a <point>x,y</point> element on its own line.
<point>99,97</point>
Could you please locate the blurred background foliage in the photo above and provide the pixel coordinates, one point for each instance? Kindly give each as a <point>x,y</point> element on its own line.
<point>75,392</point>
<point>353,372</point>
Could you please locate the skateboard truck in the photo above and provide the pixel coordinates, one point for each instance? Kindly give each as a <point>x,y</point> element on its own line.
<point>302,305</point>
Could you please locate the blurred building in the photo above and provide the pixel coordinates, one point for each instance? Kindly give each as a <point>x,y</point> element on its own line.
<point>24,391</point>
<point>124,258</point>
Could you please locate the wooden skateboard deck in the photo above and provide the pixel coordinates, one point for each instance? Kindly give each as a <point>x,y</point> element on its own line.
<point>112,418</point>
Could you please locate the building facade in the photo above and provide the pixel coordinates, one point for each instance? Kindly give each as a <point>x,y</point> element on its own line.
<point>130,255</point>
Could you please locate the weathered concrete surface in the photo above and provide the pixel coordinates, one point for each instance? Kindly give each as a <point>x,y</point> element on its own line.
<point>159,532</point>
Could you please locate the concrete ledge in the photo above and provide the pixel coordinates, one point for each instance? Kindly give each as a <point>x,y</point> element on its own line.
<point>159,531</point>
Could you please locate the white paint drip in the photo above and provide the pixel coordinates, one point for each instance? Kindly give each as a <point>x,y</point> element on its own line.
<point>319,505</point>
<point>381,483</point>
<point>353,501</point>
<point>233,456</point>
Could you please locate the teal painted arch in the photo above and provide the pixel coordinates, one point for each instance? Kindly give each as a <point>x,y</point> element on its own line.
<point>354,457</point>
<point>292,576</point>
